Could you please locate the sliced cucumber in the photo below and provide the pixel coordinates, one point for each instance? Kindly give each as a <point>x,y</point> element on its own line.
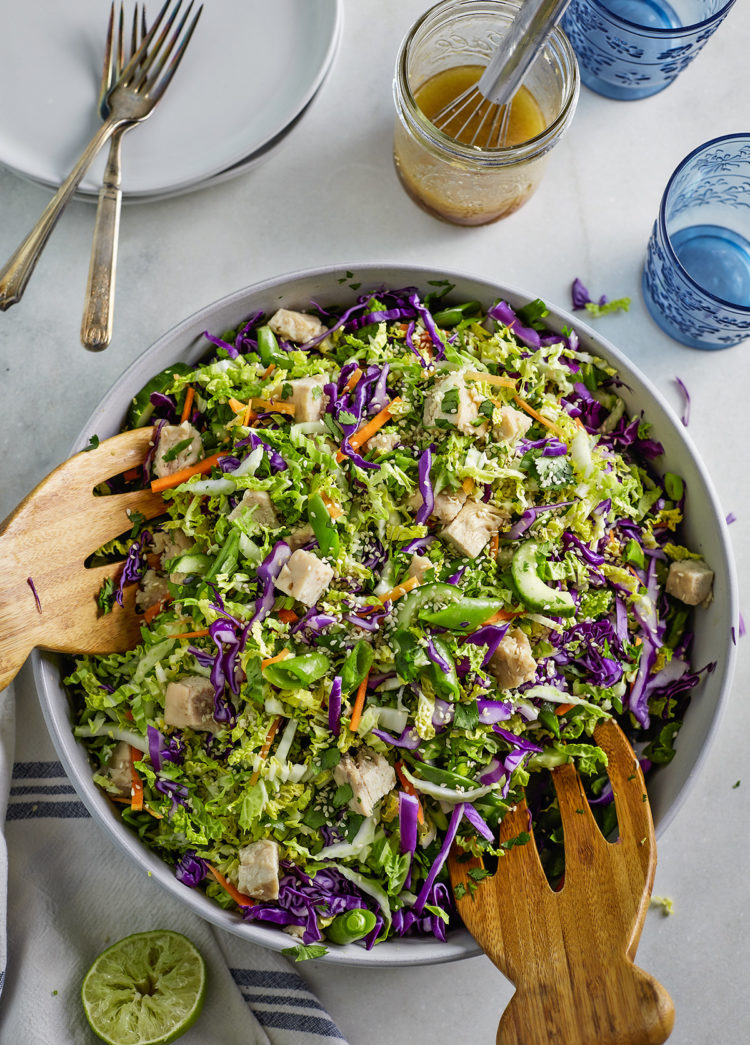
<point>535,593</point>
<point>192,563</point>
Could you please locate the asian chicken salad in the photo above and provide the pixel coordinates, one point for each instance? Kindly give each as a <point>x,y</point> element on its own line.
<point>411,553</point>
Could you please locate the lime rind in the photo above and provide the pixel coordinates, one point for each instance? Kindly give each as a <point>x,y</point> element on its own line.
<point>146,989</point>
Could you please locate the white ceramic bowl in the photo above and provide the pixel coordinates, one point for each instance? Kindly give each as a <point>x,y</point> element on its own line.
<point>705,531</point>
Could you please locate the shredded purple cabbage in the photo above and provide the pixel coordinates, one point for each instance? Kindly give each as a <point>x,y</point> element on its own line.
<point>425,488</point>
<point>408,808</point>
<point>334,706</point>
<point>135,564</point>
<point>685,416</point>
<point>191,869</point>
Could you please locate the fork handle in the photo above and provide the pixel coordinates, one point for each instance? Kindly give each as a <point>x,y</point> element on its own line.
<point>17,272</point>
<point>96,328</point>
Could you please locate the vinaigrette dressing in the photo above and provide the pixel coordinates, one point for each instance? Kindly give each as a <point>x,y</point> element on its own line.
<point>470,185</point>
<point>526,119</point>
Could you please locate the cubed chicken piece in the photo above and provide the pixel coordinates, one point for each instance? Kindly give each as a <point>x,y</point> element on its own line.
<point>447,504</point>
<point>512,424</point>
<point>256,505</point>
<point>170,437</point>
<point>169,544</point>
<point>418,567</point>
<point>512,663</point>
<point>152,590</point>
<point>473,526</point>
<point>118,768</point>
<point>370,776</point>
<point>190,703</point>
<point>305,577</point>
<point>296,326</point>
<point>383,442</point>
<point>258,874</point>
<point>308,398</point>
<point>299,537</point>
<point>690,581</point>
<point>451,401</point>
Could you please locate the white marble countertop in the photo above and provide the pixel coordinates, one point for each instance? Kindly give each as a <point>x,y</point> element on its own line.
<point>329,194</point>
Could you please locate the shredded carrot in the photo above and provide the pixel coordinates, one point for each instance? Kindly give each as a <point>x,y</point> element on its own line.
<point>494,545</point>
<point>359,704</point>
<point>410,790</point>
<point>353,380</point>
<point>136,784</point>
<point>157,607</point>
<point>132,473</point>
<point>239,898</point>
<point>266,748</point>
<point>192,634</point>
<point>368,430</point>
<point>272,660</point>
<point>268,371</point>
<point>503,615</point>
<point>563,709</point>
<point>538,417</point>
<point>468,485</point>
<point>274,406</point>
<point>288,616</point>
<point>399,590</point>
<point>334,510</point>
<point>490,379</point>
<point>176,478</point>
<point>122,800</point>
<point>188,404</point>
<point>248,414</point>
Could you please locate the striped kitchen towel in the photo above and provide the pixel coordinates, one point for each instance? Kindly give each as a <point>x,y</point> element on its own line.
<point>71,892</point>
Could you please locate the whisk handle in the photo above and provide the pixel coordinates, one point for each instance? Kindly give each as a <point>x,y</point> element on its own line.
<point>528,32</point>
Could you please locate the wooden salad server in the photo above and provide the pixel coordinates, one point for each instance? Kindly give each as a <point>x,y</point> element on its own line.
<point>570,953</point>
<point>47,595</point>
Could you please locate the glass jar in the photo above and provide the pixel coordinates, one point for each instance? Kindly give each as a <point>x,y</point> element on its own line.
<point>467,184</point>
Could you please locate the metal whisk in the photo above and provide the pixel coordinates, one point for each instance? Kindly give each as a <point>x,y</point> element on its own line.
<point>487,104</point>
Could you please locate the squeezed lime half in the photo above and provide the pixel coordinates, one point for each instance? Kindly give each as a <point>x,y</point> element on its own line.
<point>146,989</point>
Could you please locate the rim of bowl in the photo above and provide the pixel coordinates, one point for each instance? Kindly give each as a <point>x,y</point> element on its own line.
<point>398,952</point>
<point>736,136</point>
<point>508,155</point>
<point>656,31</point>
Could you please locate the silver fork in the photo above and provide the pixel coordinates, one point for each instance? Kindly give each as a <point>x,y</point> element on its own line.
<point>132,99</point>
<point>96,327</point>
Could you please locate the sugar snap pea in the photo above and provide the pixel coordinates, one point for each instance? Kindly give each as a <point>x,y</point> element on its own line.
<point>351,925</point>
<point>297,672</point>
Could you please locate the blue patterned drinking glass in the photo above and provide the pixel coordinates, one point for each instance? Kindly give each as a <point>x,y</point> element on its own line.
<point>632,48</point>
<point>696,280</point>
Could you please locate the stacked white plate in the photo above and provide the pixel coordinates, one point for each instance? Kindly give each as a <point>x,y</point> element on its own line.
<point>250,72</point>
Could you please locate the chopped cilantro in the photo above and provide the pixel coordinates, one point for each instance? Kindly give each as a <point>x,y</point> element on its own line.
<point>478,874</point>
<point>342,795</point>
<point>450,401</point>
<point>330,758</point>
<point>466,716</point>
<point>93,443</point>
<point>520,839</point>
<point>106,597</point>
<point>303,952</point>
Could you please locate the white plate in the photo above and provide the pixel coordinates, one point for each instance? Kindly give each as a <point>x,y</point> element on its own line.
<point>251,68</point>
<point>706,530</point>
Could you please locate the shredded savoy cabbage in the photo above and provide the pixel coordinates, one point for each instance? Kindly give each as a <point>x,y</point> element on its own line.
<point>432,552</point>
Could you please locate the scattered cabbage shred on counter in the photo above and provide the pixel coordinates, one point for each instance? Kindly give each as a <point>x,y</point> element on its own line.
<point>433,550</point>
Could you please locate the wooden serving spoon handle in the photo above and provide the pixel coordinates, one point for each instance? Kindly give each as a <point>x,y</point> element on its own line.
<point>591,1005</point>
